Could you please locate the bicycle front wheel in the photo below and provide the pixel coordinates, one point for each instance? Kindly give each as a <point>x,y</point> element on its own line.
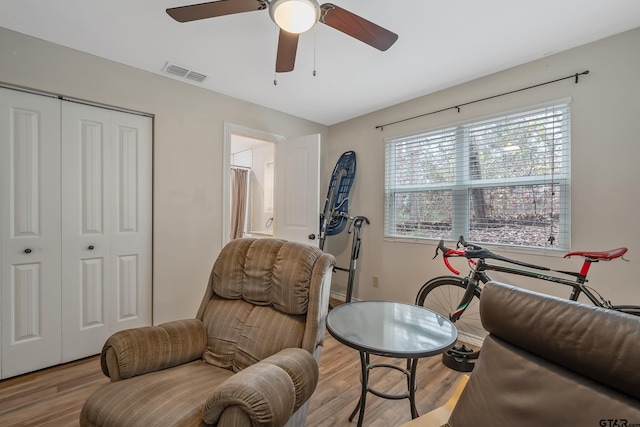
<point>443,295</point>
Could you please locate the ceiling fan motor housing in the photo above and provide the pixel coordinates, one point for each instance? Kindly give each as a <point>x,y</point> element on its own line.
<point>294,16</point>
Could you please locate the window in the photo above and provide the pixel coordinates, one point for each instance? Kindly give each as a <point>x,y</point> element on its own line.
<point>503,181</point>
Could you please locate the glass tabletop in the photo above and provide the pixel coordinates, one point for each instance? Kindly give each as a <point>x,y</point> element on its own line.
<point>391,329</point>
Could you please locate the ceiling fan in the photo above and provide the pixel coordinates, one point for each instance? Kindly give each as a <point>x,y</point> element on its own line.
<point>292,17</point>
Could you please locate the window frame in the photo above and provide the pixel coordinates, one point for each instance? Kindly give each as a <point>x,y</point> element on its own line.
<point>461,186</point>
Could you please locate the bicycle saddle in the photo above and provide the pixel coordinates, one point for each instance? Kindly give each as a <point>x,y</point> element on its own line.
<point>605,255</point>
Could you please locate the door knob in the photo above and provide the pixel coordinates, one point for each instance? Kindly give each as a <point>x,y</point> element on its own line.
<point>91,247</point>
<point>27,251</point>
<point>312,237</point>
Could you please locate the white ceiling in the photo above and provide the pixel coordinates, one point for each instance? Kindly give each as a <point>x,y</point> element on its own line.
<point>440,44</point>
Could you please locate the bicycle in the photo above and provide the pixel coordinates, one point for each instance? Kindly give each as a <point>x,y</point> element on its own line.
<point>457,298</point>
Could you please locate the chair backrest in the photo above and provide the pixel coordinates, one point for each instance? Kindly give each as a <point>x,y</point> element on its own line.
<point>265,295</point>
<point>550,361</point>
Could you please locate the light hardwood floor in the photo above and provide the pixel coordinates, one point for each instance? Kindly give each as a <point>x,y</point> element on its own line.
<point>53,397</point>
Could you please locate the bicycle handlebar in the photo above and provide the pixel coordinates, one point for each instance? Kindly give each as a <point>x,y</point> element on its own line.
<point>446,252</point>
<point>467,245</point>
<point>470,252</point>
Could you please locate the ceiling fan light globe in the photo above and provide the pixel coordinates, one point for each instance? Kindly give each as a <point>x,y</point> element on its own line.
<point>294,16</point>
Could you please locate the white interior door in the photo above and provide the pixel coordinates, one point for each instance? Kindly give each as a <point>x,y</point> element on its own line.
<point>30,231</point>
<point>297,194</point>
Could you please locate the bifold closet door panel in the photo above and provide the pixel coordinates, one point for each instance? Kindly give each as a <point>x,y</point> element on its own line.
<point>86,229</point>
<point>30,298</point>
<point>131,220</point>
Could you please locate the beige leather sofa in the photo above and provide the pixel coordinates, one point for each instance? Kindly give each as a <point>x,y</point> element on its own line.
<point>549,362</point>
<point>249,358</point>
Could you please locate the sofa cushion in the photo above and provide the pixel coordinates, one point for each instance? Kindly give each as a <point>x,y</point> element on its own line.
<point>512,387</point>
<point>259,271</point>
<point>575,336</point>
<point>169,397</point>
<point>251,334</point>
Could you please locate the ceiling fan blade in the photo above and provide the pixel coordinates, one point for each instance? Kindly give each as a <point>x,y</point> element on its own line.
<point>287,48</point>
<point>215,8</point>
<point>357,27</point>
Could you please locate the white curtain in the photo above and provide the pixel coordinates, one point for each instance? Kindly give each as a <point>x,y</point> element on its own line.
<point>239,188</point>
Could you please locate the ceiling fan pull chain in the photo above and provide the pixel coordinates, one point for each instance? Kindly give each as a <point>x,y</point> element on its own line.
<point>275,73</point>
<point>314,50</point>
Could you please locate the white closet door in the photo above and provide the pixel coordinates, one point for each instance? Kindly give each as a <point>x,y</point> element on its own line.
<point>131,223</point>
<point>86,229</point>
<point>30,231</point>
<point>106,276</point>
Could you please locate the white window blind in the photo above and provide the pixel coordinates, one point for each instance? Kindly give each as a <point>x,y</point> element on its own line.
<point>503,180</point>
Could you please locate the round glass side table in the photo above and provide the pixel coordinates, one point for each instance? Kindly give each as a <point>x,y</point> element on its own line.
<point>390,329</point>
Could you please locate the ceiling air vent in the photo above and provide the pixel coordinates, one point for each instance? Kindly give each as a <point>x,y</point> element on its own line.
<point>177,70</point>
<point>196,76</point>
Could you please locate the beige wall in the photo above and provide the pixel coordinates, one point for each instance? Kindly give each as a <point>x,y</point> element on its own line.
<point>188,145</point>
<point>188,160</point>
<point>605,168</point>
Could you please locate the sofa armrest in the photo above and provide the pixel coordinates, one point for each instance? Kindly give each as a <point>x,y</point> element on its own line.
<point>269,391</point>
<point>137,351</point>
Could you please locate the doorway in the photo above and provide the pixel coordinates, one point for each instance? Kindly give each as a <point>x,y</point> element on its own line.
<point>251,187</point>
<point>249,183</point>
<point>294,214</point>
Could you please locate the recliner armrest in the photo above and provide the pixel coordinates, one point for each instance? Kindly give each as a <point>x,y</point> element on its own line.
<point>269,391</point>
<point>141,350</point>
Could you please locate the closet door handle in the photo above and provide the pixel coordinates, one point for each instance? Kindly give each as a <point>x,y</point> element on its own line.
<point>91,247</point>
<point>27,251</point>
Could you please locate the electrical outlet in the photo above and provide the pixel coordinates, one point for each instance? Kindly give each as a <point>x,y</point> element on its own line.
<point>375,282</point>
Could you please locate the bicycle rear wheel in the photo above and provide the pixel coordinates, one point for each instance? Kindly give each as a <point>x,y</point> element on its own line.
<point>443,295</point>
<point>629,309</point>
